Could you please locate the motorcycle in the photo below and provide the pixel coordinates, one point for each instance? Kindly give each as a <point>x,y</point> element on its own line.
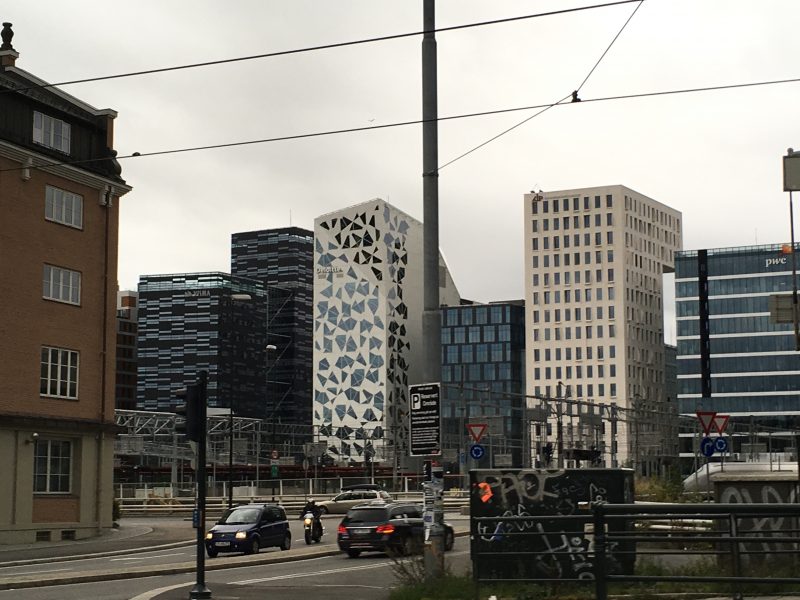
<point>312,527</point>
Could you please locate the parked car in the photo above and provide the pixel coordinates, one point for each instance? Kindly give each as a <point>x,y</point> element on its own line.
<point>349,498</point>
<point>248,528</point>
<point>393,527</point>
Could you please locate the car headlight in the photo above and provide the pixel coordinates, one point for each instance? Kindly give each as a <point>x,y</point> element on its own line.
<point>209,535</point>
<point>241,535</point>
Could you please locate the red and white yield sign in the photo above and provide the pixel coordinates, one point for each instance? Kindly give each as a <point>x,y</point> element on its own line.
<point>476,430</point>
<point>711,420</point>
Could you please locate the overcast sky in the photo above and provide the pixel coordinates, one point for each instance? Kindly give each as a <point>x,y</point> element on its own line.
<point>714,156</point>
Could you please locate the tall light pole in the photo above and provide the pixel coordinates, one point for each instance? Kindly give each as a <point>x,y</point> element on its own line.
<point>230,454</point>
<point>791,183</point>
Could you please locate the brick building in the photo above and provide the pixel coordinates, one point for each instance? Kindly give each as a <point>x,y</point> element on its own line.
<point>59,192</point>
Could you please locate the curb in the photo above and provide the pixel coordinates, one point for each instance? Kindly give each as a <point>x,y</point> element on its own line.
<point>39,561</point>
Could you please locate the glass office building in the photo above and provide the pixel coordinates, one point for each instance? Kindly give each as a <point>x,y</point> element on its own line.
<point>483,379</point>
<point>733,358</point>
<point>192,322</point>
<point>282,259</point>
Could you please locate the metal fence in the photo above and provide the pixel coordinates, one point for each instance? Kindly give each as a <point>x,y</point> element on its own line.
<point>729,548</point>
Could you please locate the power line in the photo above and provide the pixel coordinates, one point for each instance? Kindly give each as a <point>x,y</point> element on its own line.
<point>574,96</point>
<point>406,123</point>
<point>334,45</point>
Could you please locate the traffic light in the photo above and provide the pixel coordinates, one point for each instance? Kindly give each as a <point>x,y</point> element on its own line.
<point>191,420</point>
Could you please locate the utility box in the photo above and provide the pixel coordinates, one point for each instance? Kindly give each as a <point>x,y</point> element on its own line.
<point>537,524</point>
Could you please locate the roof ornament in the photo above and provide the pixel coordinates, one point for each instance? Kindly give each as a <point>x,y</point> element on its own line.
<point>6,35</point>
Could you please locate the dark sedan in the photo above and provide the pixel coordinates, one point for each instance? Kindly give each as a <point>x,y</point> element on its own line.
<point>394,528</point>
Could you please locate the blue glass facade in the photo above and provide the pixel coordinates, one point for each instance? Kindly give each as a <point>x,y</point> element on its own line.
<point>483,369</point>
<point>282,259</point>
<point>732,358</point>
<point>189,323</point>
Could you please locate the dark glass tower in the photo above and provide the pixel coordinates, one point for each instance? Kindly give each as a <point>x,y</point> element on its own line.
<point>733,358</point>
<point>192,322</point>
<point>483,377</point>
<point>282,259</point>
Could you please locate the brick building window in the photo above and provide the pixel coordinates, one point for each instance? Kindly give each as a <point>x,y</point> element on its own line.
<point>61,284</point>
<point>52,467</point>
<point>59,373</point>
<point>51,132</point>
<point>63,207</point>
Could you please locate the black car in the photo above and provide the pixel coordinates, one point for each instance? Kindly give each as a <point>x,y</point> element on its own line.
<point>394,528</point>
<point>248,528</point>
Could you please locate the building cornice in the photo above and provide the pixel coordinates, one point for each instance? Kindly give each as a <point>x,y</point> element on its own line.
<point>29,160</point>
<point>42,85</point>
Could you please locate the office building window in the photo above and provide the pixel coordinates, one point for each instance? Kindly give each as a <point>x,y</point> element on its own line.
<point>576,204</point>
<point>609,201</point>
<point>612,331</point>
<point>59,373</point>
<point>63,207</point>
<point>610,219</point>
<point>474,335</point>
<point>52,467</point>
<point>611,293</point>
<point>613,389</point>
<point>62,285</point>
<point>612,351</point>
<point>610,275</point>
<point>610,237</point>
<point>51,132</point>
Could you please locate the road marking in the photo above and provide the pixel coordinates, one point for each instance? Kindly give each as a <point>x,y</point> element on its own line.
<point>312,574</point>
<point>37,572</point>
<point>153,593</point>
<point>147,557</point>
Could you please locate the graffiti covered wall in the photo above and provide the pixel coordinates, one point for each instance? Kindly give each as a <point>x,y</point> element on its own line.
<point>556,541</point>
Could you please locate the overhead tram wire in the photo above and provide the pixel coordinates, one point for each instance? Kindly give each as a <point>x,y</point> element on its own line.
<point>332,46</point>
<point>574,96</point>
<point>406,123</point>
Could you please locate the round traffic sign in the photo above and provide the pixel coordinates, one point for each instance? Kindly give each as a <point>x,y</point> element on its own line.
<point>477,451</point>
<point>721,444</point>
<point>707,447</point>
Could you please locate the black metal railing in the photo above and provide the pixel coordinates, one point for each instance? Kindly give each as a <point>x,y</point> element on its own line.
<point>729,546</point>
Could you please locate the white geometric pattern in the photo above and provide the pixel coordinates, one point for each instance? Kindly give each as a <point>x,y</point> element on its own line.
<point>361,345</point>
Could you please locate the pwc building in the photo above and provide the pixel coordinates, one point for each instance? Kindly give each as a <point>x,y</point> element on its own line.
<point>368,304</point>
<point>733,358</point>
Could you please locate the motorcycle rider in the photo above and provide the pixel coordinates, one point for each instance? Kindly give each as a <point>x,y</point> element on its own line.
<point>311,507</point>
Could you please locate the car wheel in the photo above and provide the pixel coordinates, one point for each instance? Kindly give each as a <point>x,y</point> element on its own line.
<point>255,546</point>
<point>287,541</point>
<point>212,553</point>
<point>354,553</point>
<point>448,540</point>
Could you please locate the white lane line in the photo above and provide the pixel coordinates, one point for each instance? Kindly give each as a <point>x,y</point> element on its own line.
<point>146,557</point>
<point>149,595</point>
<point>38,572</point>
<point>312,574</point>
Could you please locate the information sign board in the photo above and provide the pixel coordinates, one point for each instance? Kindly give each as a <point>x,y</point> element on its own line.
<point>425,420</point>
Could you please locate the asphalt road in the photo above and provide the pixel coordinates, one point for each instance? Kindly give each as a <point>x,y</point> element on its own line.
<point>161,557</point>
<point>369,577</point>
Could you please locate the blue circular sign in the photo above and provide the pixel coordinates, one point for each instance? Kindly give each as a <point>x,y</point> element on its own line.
<point>721,444</point>
<point>707,447</point>
<point>477,451</point>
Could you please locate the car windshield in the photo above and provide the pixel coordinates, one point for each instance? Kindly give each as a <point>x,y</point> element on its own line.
<point>366,515</point>
<point>240,516</point>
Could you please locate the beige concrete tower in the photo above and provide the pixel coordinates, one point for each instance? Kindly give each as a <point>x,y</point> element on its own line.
<point>594,261</point>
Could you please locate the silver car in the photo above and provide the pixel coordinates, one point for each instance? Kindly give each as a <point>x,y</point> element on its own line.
<point>343,502</point>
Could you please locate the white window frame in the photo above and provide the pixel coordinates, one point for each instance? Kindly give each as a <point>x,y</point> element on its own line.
<point>51,132</point>
<point>61,285</point>
<point>59,374</point>
<point>63,207</point>
<point>52,466</point>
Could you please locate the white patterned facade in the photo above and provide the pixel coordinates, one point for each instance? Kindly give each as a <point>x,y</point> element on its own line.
<point>368,302</point>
